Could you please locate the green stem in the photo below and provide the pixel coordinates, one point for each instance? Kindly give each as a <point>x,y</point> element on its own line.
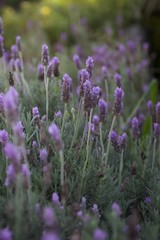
<point>106,86</point>
<point>61,167</point>
<point>46,82</point>
<point>64,118</point>
<point>88,141</point>
<point>24,82</point>
<point>154,153</point>
<point>121,169</point>
<point>109,140</point>
<point>101,141</point>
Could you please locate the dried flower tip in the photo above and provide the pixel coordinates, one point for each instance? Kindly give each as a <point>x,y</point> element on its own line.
<point>158,112</point>
<point>118,102</point>
<point>66,88</point>
<point>45,55</point>
<point>18,43</point>
<point>90,65</point>
<point>99,234</point>
<point>117,78</point>
<point>77,61</point>
<point>116,209</point>
<point>156,130</point>
<point>3,137</point>
<point>1,46</point>
<point>102,110</point>
<point>18,64</point>
<point>40,70</point>
<point>87,96</point>
<point>14,52</point>
<point>135,128</point>
<point>56,63</point>
<point>55,134</point>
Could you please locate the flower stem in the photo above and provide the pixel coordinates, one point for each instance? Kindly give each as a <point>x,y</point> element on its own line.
<point>154,153</point>
<point>101,141</point>
<point>64,118</point>
<point>121,169</point>
<point>109,140</point>
<point>46,82</point>
<point>61,167</point>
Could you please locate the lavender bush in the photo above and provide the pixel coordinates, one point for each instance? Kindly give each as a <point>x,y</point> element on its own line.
<point>79,148</point>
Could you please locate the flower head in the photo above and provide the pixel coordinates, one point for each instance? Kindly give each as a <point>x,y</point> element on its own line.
<point>3,137</point>
<point>118,102</point>
<point>56,63</point>
<point>45,55</point>
<point>102,105</point>
<point>66,88</point>
<point>77,61</point>
<point>55,134</point>
<point>90,65</point>
<point>135,128</point>
<point>5,234</point>
<point>99,234</point>
<point>116,209</point>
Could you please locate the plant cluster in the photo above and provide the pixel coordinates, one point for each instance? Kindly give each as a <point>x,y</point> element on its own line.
<point>79,150</point>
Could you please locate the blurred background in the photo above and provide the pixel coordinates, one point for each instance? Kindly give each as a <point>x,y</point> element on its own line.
<point>68,22</point>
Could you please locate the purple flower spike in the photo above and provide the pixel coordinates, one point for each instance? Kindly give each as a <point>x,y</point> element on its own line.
<point>40,70</point>
<point>43,154</point>
<point>13,153</point>
<point>77,61</point>
<point>11,175</point>
<point>102,110</point>
<point>116,209</point>
<point>18,133</point>
<point>11,102</point>
<point>104,71</point>
<point>35,112</point>
<point>34,144</point>
<point>26,175</point>
<point>87,96</point>
<point>50,70</point>
<point>156,130</point>
<point>90,65</point>
<point>5,234</point>
<point>56,63</point>
<point>96,92</point>
<point>55,134</point>
<point>118,102</point>
<point>48,217</point>
<point>3,137</point>
<point>150,108</point>
<point>84,76</point>
<point>1,103</point>
<point>158,112</point>
<point>58,114</point>
<point>1,46</point>
<point>99,234</point>
<point>45,55</point>
<point>117,78</point>
<point>14,52</point>
<point>55,199</point>
<point>66,88</point>
<point>50,235</point>
<point>135,128</point>
<point>18,43</point>
<point>114,139</point>
<point>147,200</point>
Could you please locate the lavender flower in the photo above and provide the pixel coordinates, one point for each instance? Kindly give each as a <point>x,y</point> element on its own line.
<point>114,139</point>
<point>48,217</point>
<point>58,114</point>
<point>96,92</point>
<point>14,52</point>
<point>50,70</point>
<point>18,133</point>
<point>5,234</point>
<point>156,130</point>
<point>11,102</point>
<point>18,43</point>
<point>158,112</point>
<point>50,235</point>
<point>45,55</point>
<point>104,71</point>
<point>55,199</point>
<point>122,142</point>
<point>83,75</point>
<point>77,61</point>
<point>147,200</point>
<point>56,63</point>
<point>26,175</point>
<point>66,88</point>
<point>116,209</point>
<point>150,107</point>
<point>55,134</point>
<point>118,102</point>
<point>90,65</point>
<point>3,137</point>
<point>43,154</point>
<point>99,234</point>
<point>96,122</point>
<point>87,96</point>
<point>18,64</point>
<point>102,110</point>
<point>13,153</point>
<point>117,78</point>
<point>95,210</point>
<point>135,128</point>
<point>35,112</point>
<point>40,70</point>
<point>34,144</point>
<point>1,103</point>
<point>1,46</point>
<point>11,176</point>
